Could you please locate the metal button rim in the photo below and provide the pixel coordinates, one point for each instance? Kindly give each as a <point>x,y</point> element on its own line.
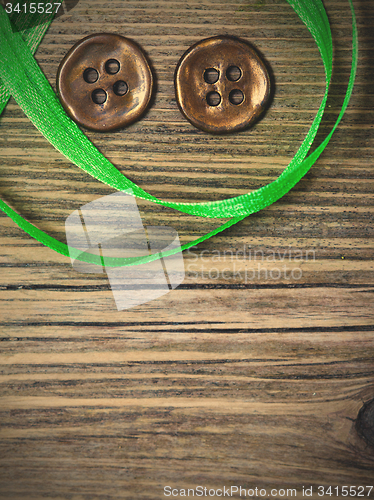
<point>63,90</point>
<point>180,92</point>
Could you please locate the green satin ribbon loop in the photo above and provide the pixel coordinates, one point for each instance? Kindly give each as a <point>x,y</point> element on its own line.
<point>22,77</point>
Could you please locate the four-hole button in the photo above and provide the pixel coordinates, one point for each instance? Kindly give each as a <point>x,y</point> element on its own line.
<point>221,84</point>
<point>105,82</point>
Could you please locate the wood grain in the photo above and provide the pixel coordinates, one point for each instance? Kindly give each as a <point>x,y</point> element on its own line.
<point>241,376</point>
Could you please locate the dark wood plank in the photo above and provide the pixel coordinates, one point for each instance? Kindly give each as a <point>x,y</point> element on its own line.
<point>244,375</point>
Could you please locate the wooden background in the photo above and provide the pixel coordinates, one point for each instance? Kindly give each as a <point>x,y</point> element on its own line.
<point>225,381</point>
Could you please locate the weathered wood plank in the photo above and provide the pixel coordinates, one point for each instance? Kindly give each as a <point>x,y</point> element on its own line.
<point>241,376</point>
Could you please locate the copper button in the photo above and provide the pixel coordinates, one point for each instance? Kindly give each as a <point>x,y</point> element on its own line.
<point>221,84</point>
<point>104,82</point>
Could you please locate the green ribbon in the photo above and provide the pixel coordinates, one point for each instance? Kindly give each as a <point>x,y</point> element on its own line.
<point>32,30</point>
<point>23,78</point>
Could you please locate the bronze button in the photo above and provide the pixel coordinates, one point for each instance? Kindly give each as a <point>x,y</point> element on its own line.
<point>221,84</point>
<point>104,82</point>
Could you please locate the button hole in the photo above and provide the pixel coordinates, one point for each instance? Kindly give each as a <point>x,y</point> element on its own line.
<point>236,97</point>
<point>120,88</point>
<point>211,75</point>
<point>90,75</point>
<point>233,73</point>
<point>99,96</point>
<point>213,98</point>
<point>112,66</point>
